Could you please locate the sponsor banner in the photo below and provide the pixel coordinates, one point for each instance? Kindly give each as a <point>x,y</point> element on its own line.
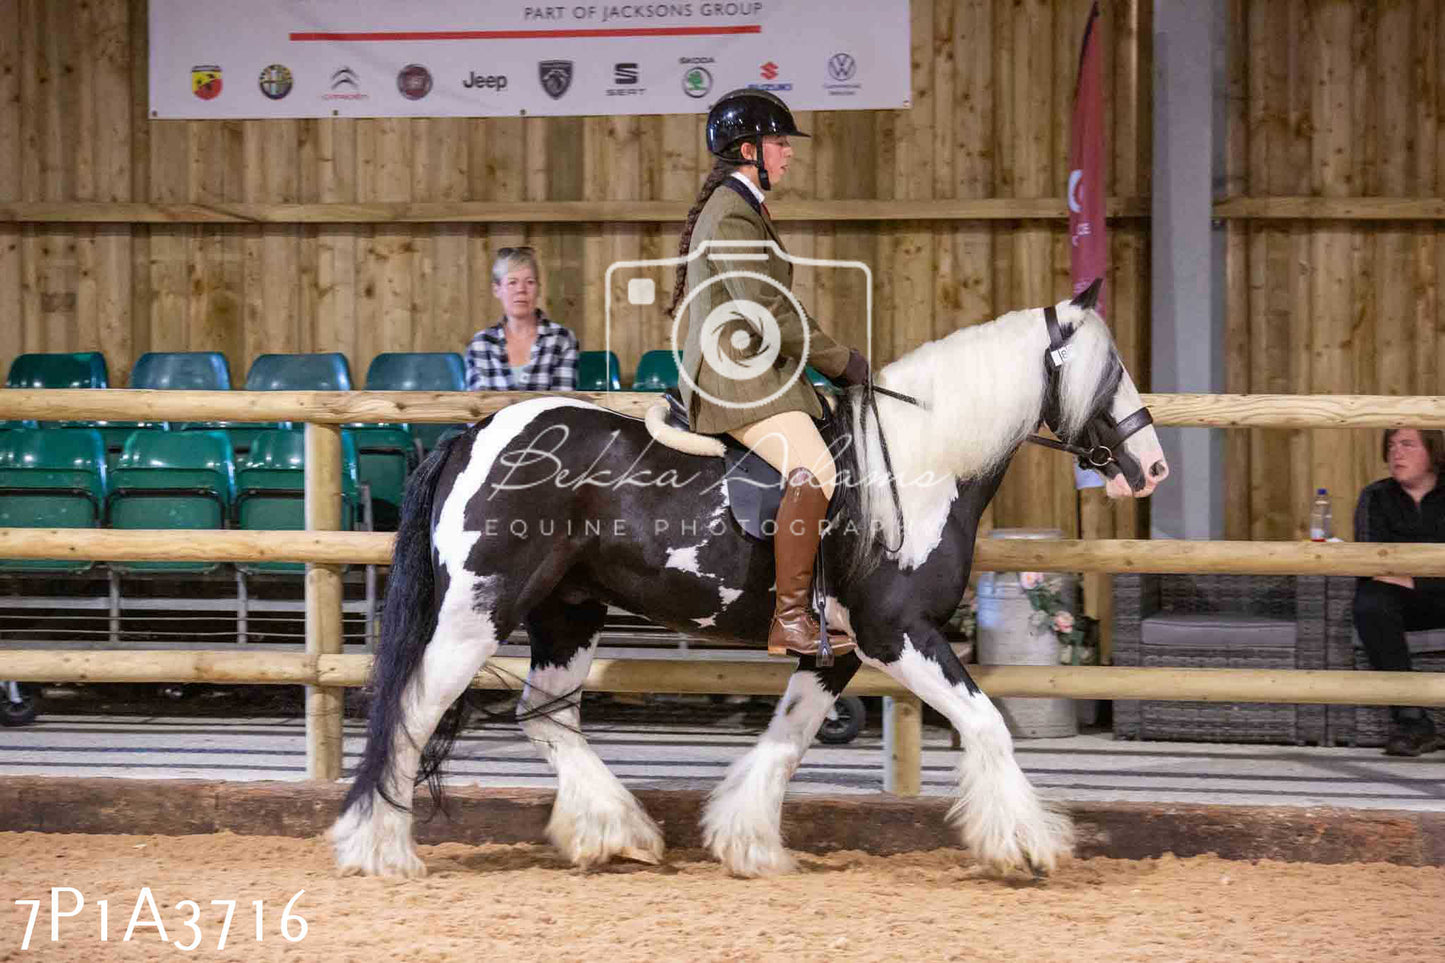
<point>459,58</point>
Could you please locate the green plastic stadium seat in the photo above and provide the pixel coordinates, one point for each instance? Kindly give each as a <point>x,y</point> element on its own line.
<point>51,478</point>
<point>181,371</point>
<point>299,372</point>
<point>271,489</point>
<point>172,480</point>
<point>385,455</point>
<point>656,371</point>
<point>817,379</point>
<point>598,371</point>
<point>281,372</point>
<point>418,371</point>
<point>85,369</point>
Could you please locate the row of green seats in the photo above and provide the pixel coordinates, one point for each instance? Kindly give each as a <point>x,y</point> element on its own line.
<point>58,478</point>
<point>326,371</point>
<point>208,371</point>
<point>656,371</point>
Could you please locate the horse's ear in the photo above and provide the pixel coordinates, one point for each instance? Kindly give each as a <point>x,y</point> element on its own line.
<point>1088,297</point>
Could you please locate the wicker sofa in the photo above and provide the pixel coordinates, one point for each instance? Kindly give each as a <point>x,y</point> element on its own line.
<point>1368,725</point>
<point>1220,621</point>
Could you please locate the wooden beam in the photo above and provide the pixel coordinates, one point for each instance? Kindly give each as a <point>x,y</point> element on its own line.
<point>343,407</point>
<point>990,555</point>
<point>541,212</point>
<point>1314,686</point>
<point>1332,208</point>
<point>324,704</point>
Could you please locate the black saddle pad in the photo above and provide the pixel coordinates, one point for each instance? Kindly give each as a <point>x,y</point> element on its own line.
<point>754,487</point>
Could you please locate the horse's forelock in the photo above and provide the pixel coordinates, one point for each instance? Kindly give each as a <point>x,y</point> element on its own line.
<point>1089,377</point>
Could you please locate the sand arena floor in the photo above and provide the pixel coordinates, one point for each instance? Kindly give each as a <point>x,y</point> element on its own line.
<point>522,902</point>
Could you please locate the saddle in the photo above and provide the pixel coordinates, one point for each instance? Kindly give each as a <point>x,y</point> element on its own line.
<point>755,488</point>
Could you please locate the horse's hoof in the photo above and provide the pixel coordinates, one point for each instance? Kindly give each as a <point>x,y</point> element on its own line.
<point>639,855</point>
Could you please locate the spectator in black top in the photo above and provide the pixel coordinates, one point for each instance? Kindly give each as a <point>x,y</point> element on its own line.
<point>1409,506</point>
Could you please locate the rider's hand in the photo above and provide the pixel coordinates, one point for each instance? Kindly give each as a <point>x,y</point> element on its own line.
<point>856,373</point>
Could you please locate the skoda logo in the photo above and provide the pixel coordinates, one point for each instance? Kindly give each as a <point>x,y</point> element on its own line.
<point>842,67</point>
<point>696,82</point>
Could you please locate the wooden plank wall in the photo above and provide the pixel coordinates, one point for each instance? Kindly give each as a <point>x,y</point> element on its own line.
<point>992,90</point>
<point>1336,99</point>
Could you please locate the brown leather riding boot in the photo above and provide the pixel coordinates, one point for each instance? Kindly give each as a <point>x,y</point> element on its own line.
<point>795,547</point>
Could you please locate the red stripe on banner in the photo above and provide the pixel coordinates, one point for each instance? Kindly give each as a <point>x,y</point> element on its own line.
<point>527,34</point>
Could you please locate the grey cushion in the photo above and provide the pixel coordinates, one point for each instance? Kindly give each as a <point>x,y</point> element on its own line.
<point>1220,630</point>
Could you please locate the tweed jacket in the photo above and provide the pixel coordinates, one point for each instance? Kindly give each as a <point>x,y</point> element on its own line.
<point>733,214</point>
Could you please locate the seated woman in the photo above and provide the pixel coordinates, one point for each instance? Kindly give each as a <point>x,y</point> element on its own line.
<point>1409,506</point>
<point>526,350</point>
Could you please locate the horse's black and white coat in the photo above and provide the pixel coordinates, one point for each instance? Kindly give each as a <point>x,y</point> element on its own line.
<point>553,508</point>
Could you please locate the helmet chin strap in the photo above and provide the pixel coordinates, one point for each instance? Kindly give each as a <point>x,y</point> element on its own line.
<point>762,168</point>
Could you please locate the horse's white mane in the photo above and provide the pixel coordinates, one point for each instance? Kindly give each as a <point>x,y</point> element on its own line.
<point>982,391</point>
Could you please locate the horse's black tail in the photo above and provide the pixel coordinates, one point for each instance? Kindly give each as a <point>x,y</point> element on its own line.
<point>408,621</point>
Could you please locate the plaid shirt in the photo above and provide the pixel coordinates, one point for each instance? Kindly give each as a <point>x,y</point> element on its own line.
<point>552,367</point>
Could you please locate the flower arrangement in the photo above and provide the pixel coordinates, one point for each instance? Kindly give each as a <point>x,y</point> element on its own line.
<point>965,617</point>
<point>1045,594</point>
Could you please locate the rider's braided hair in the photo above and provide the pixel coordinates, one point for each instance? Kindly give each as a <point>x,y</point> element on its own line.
<point>719,173</point>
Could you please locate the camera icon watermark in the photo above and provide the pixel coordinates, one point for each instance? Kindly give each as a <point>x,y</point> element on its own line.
<point>739,338</point>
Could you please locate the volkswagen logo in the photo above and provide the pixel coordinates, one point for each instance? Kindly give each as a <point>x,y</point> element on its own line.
<point>842,67</point>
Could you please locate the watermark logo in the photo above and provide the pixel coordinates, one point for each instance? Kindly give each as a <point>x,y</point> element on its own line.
<point>738,338</point>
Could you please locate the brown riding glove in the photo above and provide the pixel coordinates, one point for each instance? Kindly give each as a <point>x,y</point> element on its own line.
<point>856,373</point>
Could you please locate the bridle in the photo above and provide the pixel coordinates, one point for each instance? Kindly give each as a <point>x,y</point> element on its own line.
<point>1106,436</point>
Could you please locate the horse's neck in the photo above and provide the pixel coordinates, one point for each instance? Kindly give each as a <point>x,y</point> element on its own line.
<point>984,393</point>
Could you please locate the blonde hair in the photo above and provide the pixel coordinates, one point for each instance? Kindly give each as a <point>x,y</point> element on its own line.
<point>509,258</point>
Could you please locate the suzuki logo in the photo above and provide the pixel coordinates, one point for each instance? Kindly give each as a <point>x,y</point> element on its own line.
<point>770,70</point>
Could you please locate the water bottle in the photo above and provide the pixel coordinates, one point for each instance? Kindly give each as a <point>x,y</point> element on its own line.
<point>1321,518</point>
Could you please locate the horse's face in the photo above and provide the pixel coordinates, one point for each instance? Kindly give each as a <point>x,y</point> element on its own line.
<point>1118,420</point>
<point>1139,465</point>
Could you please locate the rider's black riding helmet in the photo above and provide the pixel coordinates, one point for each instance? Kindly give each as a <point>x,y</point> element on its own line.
<point>747,115</point>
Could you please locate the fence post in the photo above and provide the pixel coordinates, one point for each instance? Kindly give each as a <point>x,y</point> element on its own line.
<point>903,745</point>
<point>323,601</point>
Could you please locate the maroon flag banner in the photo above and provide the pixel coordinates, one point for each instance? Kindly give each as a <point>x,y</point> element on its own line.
<point>1089,245</point>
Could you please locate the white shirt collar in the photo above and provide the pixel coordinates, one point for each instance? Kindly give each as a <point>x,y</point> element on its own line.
<point>751,186</point>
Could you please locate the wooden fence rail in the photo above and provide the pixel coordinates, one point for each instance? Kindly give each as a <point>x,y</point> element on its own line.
<point>344,407</point>
<point>990,555</point>
<point>1316,686</point>
<point>324,670</point>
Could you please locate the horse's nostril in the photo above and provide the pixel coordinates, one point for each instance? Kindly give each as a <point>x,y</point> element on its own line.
<point>1159,470</point>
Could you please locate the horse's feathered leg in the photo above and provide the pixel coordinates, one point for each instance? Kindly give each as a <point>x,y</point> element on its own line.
<point>373,835</point>
<point>594,816</point>
<point>742,824</point>
<point>1000,816</point>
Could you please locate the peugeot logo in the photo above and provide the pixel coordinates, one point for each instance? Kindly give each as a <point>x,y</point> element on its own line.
<point>842,67</point>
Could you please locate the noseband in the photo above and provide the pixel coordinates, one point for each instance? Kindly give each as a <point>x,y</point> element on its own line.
<point>1107,435</point>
